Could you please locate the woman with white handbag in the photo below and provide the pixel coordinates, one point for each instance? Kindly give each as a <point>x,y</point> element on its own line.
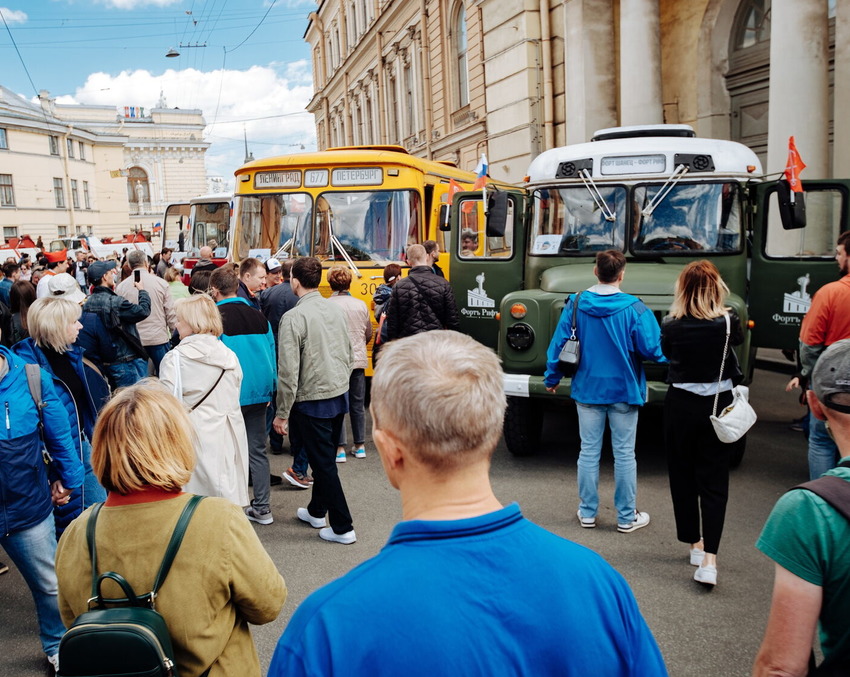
<point>697,337</point>
<point>205,375</point>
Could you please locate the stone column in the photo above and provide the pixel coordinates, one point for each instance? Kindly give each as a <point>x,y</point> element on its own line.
<point>591,89</point>
<point>841,92</point>
<point>799,107</point>
<point>640,63</point>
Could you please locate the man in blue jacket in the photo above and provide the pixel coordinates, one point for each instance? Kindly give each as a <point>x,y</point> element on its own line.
<point>617,332</point>
<point>26,498</point>
<point>248,334</point>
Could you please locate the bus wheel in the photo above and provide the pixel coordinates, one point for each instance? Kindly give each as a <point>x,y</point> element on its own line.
<point>737,452</point>
<point>523,424</point>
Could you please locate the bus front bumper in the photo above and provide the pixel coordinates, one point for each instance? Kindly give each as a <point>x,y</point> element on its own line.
<point>526,385</point>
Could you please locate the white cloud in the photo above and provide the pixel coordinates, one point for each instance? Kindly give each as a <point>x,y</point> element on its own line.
<point>13,16</point>
<point>268,102</point>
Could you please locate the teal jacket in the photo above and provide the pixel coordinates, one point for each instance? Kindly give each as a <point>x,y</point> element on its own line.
<point>315,356</point>
<point>248,333</point>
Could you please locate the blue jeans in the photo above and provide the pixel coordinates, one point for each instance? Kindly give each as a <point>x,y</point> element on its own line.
<point>823,453</point>
<point>156,353</point>
<point>92,491</point>
<point>123,374</point>
<point>33,551</point>
<point>591,422</point>
<point>356,409</point>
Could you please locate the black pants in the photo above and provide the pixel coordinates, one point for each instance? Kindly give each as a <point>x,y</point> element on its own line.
<point>318,437</point>
<point>698,466</point>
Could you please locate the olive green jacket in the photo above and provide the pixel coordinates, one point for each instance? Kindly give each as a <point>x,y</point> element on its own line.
<point>314,354</point>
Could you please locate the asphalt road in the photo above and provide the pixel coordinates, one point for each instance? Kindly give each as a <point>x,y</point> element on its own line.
<point>699,632</point>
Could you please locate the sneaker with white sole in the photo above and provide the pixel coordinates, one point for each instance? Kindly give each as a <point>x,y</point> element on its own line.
<point>586,522</point>
<point>54,662</point>
<point>641,520</point>
<point>359,452</point>
<point>707,575</point>
<point>316,522</point>
<point>328,534</point>
<point>340,457</point>
<point>259,517</point>
<point>296,479</point>
<point>697,556</point>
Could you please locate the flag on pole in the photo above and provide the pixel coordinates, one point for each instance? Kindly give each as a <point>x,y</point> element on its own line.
<point>481,173</point>
<point>793,167</point>
<point>454,187</point>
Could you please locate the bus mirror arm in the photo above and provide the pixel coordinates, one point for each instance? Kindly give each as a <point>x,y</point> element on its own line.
<point>345,255</point>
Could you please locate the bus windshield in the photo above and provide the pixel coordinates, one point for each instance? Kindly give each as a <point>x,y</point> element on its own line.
<point>211,228</point>
<point>703,217</point>
<point>277,223</point>
<point>575,220</point>
<point>368,225</point>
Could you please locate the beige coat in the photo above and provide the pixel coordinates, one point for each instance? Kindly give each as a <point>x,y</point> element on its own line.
<point>222,444</point>
<point>359,326</point>
<point>221,580</point>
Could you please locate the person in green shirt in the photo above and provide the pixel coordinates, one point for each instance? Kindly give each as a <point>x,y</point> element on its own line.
<point>810,543</point>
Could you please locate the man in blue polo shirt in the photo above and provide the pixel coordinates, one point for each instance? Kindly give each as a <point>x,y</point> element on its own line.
<point>446,596</point>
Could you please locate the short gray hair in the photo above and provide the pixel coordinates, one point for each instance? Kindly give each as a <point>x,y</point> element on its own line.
<point>416,252</point>
<point>137,259</point>
<point>442,392</point>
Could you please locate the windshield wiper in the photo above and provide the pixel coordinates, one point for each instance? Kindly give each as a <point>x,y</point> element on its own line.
<point>584,175</point>
<point>338,245</point>
<point>675,177</point>
<point>287,248</point>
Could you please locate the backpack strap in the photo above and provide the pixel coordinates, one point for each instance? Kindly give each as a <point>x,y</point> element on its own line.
<point>33,372</point>
<point>90,526</point>
<point>833,490</point>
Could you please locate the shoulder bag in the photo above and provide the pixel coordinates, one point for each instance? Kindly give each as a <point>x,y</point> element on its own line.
<point>736,419</point>
<point>570,355</point>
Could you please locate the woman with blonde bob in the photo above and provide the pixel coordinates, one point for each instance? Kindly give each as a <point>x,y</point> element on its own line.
<point>205,375</point>
<point>221,579</point>
<point>54,325</point>
<point>693,337</point>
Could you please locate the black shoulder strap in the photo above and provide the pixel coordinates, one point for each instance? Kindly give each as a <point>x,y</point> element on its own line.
<point>575,310</point>
<point>170,551</point>
<point>209,392</point>
<point>833,490</point>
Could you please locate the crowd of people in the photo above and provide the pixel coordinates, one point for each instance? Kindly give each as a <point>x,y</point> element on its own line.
<point>144,391</point>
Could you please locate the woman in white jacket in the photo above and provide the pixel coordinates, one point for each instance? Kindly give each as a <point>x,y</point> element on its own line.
<point>205,374</point>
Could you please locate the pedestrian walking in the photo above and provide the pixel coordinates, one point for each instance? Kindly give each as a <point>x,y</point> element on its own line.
<point>693,337</point>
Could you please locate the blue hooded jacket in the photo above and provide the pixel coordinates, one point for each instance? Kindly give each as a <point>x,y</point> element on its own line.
<point>24,489</point>
<point>617,332</point>
<point>248,333</point>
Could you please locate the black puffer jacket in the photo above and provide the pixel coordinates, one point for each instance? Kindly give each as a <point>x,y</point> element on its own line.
<point>421,302</point>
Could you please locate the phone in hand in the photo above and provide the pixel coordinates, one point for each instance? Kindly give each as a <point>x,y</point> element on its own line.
<point>137,275</point>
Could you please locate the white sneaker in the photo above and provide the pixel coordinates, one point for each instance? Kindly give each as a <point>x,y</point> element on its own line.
<point>359,452</point>
<point>641,520</point>
<point>315,522</point>
<point>707,575</point>
<point>329,534</point>
<point>340,457</point>
<point>697,556</point>
<point>586,522</point>
<point>54,661</point>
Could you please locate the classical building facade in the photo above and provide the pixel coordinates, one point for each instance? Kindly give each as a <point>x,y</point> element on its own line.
<point>448,79</point>
<point>67,170</point>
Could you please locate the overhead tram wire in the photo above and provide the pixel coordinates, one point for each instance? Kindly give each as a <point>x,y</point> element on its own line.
<point>18,51</point>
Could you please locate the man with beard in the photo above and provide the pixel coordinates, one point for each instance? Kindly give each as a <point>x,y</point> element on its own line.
<point>827,321</point>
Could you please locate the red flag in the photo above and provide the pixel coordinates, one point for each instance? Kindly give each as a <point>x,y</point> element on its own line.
<point>793,167</point>
<point>454,187</point>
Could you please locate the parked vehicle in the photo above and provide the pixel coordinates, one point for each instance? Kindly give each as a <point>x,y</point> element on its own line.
<point>205,220</point>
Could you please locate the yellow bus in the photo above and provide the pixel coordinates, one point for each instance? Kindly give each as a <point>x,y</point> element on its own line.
<point>358,206</point>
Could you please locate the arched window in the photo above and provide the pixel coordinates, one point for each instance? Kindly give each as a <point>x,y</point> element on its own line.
<point>138,190</point>
<point>752,24</point>
<point>460,48</point>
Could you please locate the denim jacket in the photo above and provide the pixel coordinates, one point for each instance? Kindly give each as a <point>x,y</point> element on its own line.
<point>119,314</point>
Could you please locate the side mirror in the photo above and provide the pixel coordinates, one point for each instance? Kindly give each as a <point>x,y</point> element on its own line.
<point>445,224</point>
<point>792,206</point>
<point>497,214</point>
<point>181,241</point>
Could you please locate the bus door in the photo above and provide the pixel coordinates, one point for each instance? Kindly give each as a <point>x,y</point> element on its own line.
<point>793,255</point>
<point>487,258</point>
<point>174,224</point>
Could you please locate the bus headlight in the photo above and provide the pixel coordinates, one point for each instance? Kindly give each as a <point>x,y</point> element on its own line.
<point>520,336</point>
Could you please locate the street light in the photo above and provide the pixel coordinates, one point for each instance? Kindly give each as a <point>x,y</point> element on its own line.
<point>171,53</point>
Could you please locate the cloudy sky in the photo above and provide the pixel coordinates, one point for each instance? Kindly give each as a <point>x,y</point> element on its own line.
<point>253,74</point>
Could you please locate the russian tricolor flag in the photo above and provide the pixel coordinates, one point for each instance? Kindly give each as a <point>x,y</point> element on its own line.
<point>481,172</point>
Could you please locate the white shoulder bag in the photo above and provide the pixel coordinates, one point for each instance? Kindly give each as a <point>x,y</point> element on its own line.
<point>736,419</point>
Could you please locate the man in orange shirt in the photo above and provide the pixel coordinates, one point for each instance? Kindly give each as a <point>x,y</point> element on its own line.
<point>827,321</point>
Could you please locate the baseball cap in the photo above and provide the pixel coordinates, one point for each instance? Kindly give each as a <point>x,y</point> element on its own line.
<point>272,265</point>
<point>98,269</point>
<point>66,287</point>
<point>831,377</point>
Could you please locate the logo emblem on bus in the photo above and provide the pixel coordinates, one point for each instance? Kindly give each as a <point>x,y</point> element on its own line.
<point>798,302</point>
<point>477,298</point>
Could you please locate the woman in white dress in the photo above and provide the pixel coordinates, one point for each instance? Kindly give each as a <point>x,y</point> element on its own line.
<point>205,374</point>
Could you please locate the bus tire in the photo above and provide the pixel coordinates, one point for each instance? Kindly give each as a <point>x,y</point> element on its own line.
<point>523,424</point>
<point>736,453</point>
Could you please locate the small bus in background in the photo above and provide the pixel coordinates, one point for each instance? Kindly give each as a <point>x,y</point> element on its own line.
<point>202,221</point>
<point>358,206</point>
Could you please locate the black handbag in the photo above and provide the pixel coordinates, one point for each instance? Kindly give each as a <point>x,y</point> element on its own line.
<point>123,641</point>
<point>570,355</point>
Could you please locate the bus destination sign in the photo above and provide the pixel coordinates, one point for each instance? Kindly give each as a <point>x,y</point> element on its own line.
<point>633,164</point>
<point>280,179</point>
<point>359,176</point>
